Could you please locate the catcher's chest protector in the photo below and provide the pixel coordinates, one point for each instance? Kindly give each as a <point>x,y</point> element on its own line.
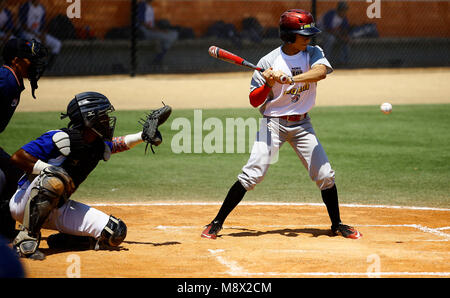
<point>83,157</point>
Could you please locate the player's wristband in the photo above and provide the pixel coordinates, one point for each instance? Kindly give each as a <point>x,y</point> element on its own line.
<point>133,139</point>
<point>39,166</point>
<point>127,142</point>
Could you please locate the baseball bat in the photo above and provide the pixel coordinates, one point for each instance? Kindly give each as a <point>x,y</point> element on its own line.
<point>229,57</point>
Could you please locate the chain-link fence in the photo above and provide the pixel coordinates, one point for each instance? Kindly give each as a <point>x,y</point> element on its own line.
<point>93,37</point>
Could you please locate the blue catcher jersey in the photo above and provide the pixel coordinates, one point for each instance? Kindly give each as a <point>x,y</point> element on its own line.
<point>45,149</point>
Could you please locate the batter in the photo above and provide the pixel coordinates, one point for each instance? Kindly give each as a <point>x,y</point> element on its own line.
<point>285,110</point>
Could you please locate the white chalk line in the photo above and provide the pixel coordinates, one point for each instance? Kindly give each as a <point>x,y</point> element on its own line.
<point>138,204</point>
<point>367,274</point>
<point>425,229</point>
<point>234,269</point>
<point>432,231</point>
<point>162,227</point>
<point>436,231</point>
<point>443,228</point>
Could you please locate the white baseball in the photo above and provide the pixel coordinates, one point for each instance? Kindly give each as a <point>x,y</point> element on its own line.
<point>386,108</point>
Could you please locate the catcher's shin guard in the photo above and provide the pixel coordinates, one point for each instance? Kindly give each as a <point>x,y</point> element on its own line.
<point>113,234</point>
<point>50,190</point>
<point>37,210</point>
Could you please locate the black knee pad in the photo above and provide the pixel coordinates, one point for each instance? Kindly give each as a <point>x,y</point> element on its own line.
<point>114,232</point>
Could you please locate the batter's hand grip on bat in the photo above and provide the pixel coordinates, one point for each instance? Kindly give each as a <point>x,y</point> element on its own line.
<point>283,78</point>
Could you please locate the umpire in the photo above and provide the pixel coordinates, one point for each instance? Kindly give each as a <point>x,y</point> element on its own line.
<point>22,59</point>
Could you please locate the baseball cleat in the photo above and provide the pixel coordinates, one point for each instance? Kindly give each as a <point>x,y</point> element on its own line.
<point>212,230</point>
<point>346,231</point>
<point>37,255</point>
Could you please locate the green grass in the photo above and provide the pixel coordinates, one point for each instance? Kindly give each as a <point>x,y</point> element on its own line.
<point>397,159</point>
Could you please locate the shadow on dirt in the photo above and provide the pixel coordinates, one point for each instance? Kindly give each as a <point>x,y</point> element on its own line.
<point>154,244</point>
<point>90,246</point>
<point>282,232</point>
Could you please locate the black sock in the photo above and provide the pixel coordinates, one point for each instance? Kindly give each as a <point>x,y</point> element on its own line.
<point>330,198</point>
<point>234,196</point>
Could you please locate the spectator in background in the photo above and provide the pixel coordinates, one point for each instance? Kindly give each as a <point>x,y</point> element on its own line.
<point>335,32</point>
<point>32,25</point>
<point>165,36</point>
<point>6,23</point>
<point>252,29</point>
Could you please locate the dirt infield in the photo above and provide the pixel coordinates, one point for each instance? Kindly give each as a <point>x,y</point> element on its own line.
<point>230,90</point>
<point>262,240</point>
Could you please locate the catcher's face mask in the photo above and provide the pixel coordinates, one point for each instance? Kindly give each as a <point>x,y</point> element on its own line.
<point>103,124</point>
<point>91,110</point>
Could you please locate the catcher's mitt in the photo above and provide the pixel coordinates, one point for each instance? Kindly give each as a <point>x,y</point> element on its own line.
<point>150,133</point>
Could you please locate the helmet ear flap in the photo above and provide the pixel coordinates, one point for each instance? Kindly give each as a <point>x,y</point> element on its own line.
<point>74,114</point>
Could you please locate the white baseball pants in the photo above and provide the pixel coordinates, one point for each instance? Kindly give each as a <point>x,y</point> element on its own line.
<point>273,133</point>
<point>73,217</point>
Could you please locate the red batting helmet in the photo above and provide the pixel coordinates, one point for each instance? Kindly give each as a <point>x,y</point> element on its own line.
<point>296,21</point>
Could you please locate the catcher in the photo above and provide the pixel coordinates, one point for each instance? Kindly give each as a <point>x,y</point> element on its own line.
<point>57,163</point>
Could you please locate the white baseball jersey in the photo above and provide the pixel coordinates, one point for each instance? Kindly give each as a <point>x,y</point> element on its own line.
<point>290,99</point>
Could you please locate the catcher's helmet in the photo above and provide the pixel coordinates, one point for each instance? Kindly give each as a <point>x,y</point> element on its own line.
<point>296,21</point>
<point>34,51</point>
<point>91,109</point>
